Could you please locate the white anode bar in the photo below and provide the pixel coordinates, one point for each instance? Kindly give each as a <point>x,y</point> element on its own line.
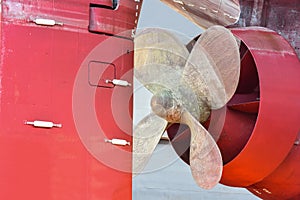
<point>121,83</point>
<point>43,124</point>
<point>45,22</point>
<point>118,142</point>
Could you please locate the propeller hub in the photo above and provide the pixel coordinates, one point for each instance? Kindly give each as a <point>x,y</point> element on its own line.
<point>165,105</point>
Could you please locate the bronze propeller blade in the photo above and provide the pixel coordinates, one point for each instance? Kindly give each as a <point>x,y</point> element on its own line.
<point>222,49</point>
<point>212,72</point>
<point>146,137</point>
<point>205,157</point>
<point>213,67</point>
<point>159,59</point>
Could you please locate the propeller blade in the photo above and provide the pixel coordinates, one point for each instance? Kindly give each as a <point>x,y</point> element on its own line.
<point>159,58</point>
<point>146,136</point>
<point>213,67</point>
<point>205,157</point>
<point>223,49</point>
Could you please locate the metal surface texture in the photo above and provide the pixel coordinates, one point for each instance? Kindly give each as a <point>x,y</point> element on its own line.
<point>114,17</point>
<point>282,183</point>
<point>159,59</point>
<point>270,164</point>
<point>206,13</point>
<point>146,136</point>
<point>40,63</point>
<point>258,142</point>
<point>278,15</point>
<point>203,81</point>
<point>60,56</point>
<point>205,157</point>
<point>260,147</point>
<point>213,67</point>
<point>260,158</point>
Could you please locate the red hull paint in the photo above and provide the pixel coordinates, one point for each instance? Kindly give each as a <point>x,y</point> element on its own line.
<point>41,69</point>
<point>271,156</point>
<point>270,53</point>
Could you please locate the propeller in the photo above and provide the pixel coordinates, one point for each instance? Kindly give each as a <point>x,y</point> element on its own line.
<point>185,88</point>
